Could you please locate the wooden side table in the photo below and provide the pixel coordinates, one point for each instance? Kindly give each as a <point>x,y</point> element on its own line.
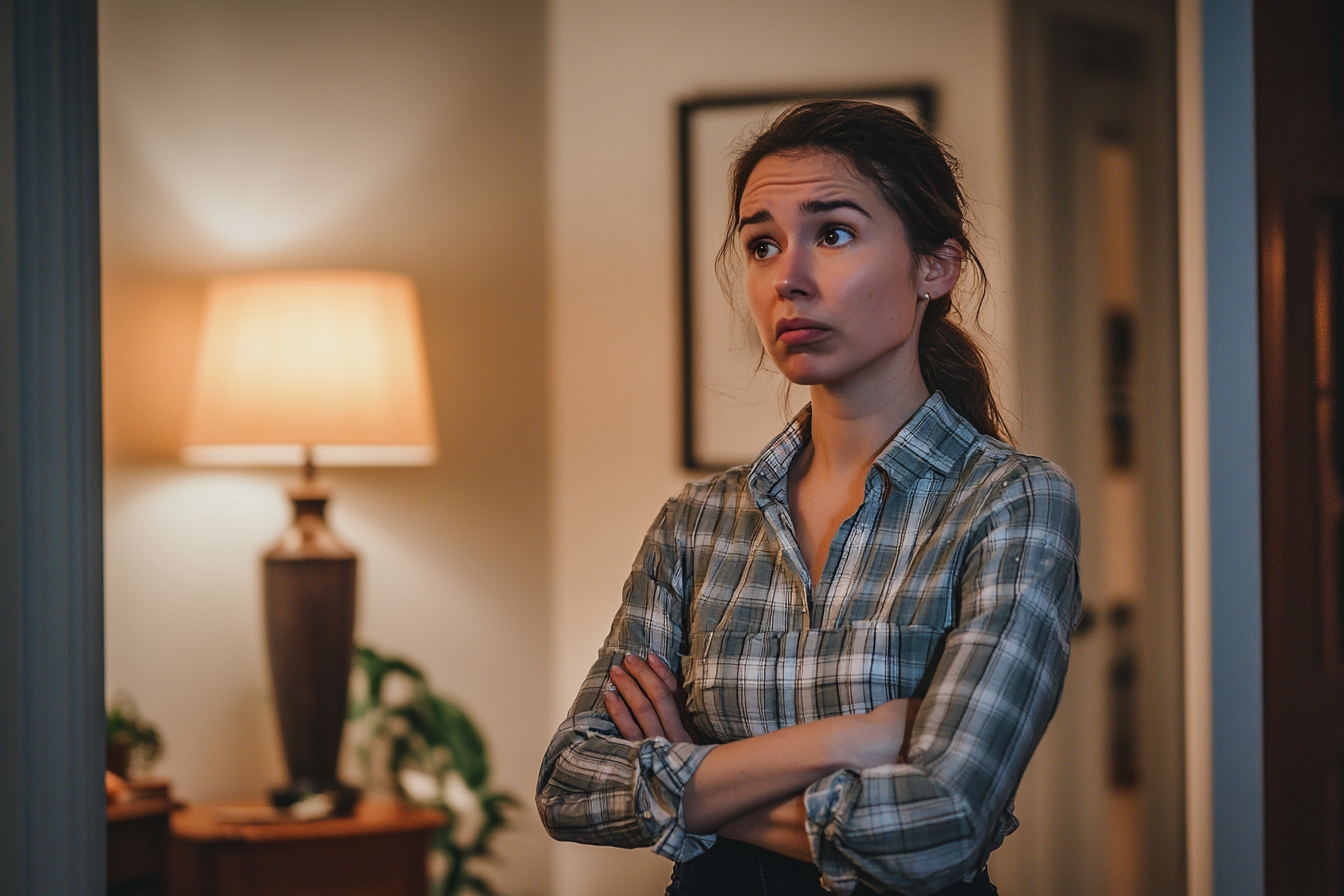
<point>137,847</point>
<point>381,849</point>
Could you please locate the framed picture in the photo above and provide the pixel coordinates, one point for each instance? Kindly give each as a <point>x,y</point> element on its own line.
<point>734,401</point>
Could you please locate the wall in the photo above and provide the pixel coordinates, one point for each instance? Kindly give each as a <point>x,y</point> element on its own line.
<point>404,136</point>
<point>616,71</point>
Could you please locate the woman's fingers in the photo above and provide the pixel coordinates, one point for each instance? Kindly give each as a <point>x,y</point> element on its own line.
<point>669,678</point>
<point>664,672</point>
<point>620,714</point>
<point>637,702</point>
<point>660,696</point>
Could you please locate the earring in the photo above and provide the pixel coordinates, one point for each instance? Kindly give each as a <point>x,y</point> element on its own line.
<point>927,297</point>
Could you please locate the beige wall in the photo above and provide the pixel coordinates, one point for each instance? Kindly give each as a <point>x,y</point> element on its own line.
<point>405,136</point>
<point>616,71</point>
<point>409,136</point>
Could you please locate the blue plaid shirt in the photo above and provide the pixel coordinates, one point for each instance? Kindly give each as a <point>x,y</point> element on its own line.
<point>956,580</point>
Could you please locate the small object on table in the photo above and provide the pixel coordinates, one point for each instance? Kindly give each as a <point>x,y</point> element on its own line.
<point>312,808</point>
<point>137,836</point>
<point>381,848</point>
<point>115,785</point>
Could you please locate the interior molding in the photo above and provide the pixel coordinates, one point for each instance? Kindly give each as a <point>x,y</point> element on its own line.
<point>1195,452</point>
<point>1232,338</point>
<point>52,814</point>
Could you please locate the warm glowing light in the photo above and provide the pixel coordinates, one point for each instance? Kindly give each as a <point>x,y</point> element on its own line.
<point>332,360</point>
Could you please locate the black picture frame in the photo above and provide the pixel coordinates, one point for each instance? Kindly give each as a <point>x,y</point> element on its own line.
<point>702,450</point>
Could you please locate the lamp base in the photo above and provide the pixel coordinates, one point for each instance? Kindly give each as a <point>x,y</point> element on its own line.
<point>310,622</point>
<point>343,797</point>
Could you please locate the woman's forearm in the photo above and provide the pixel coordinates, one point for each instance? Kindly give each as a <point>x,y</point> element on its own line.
<point>780,828</point>
<point>740,777</point>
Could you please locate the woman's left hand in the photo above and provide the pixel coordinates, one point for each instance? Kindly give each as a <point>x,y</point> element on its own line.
<point>649,701</point>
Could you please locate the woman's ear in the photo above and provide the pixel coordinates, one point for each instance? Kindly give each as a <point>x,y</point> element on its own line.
<point>939,271</point>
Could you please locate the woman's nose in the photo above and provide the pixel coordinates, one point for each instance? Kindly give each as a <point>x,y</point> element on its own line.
<point>794,275</point>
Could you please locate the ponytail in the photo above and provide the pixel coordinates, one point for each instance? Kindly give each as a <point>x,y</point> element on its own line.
<point>952,363</point>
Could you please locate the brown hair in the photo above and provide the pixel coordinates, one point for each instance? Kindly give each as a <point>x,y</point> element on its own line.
<point>918,177</point>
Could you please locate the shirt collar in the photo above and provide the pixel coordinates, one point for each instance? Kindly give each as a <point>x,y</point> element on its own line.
<point>936,438</point>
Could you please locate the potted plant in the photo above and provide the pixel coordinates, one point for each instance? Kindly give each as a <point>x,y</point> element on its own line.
<point>424,748</point>
<point>133,742</point>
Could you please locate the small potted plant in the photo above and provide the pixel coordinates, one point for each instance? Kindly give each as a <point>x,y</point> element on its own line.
<point>133,742</point>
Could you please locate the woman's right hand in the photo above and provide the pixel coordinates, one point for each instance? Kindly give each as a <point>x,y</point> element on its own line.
<point>649,701</point>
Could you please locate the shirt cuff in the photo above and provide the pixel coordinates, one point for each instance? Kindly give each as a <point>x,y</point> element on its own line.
<point>828,802</point>
<point>664,770</point>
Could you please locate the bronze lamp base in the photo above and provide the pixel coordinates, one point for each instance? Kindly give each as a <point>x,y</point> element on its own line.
<point>310,629</point>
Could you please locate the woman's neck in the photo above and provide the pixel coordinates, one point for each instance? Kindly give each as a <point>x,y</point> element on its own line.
<point>851,427</point>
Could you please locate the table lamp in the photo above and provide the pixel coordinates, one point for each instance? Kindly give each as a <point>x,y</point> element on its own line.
<point>311,368</point>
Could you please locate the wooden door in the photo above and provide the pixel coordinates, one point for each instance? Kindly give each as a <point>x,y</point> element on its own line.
<point>1299,96</point>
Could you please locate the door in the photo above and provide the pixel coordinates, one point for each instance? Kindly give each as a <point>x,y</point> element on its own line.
<point>1095,283</point>
<point>1299,97</point>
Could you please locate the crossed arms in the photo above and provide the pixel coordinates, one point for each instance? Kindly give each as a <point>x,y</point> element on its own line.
<point>638,778</point>
<point>752,790</point>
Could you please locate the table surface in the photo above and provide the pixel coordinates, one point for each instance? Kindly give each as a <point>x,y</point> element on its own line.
<point>372,816</point>
<point>140,809</point>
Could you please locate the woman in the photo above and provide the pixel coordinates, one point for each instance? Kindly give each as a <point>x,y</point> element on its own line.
<point>830,667</point>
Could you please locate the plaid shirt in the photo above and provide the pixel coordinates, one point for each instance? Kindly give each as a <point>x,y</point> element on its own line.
<point>956,581</point>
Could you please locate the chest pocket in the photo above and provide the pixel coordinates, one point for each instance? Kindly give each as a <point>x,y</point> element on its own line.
<point>743,683</point>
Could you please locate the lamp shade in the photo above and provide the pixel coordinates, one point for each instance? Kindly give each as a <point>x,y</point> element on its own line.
<point>328,360</point>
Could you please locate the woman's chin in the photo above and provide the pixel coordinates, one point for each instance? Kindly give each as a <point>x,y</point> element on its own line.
<point>811,374</point>
<point>802,370</point>
<point>804,379</point>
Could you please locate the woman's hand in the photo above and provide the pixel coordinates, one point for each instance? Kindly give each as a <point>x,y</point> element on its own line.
<point>768,772</point>
<point>649,701</point>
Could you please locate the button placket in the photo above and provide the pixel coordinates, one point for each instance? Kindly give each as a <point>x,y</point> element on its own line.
<point>857,530</point>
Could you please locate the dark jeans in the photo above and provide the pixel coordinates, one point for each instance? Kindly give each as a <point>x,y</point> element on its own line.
<point>733,868</point>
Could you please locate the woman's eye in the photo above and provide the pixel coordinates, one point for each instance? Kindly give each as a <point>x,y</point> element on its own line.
<point>763,249</point>
<point>835,236</point>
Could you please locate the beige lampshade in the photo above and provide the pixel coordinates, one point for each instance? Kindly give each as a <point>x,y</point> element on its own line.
<point>334,360</point>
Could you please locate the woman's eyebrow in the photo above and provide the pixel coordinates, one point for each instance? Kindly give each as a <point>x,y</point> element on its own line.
<point>759,217</point>
<point>816,206</point>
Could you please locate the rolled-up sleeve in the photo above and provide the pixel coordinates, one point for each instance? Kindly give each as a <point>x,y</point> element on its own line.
<point>921,825</point>
<point>595,786</point>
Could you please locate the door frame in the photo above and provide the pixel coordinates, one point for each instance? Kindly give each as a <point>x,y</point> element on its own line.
<point>52,725</point>
<point>1220,408</point>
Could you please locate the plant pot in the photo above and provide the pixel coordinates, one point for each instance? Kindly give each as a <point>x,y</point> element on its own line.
<point>119,758</point>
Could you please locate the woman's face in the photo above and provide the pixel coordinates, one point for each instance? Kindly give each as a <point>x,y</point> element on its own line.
<point>830,280</point>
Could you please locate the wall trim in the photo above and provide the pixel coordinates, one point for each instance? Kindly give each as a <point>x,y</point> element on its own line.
<point>1235,715</point>
<point>52,808</point>
<point>1194,449</point>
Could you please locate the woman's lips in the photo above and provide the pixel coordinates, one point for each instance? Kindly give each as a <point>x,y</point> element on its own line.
<point>800,331</point>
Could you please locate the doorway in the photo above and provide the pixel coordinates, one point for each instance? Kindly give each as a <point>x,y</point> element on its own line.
<point>1096,283</point>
